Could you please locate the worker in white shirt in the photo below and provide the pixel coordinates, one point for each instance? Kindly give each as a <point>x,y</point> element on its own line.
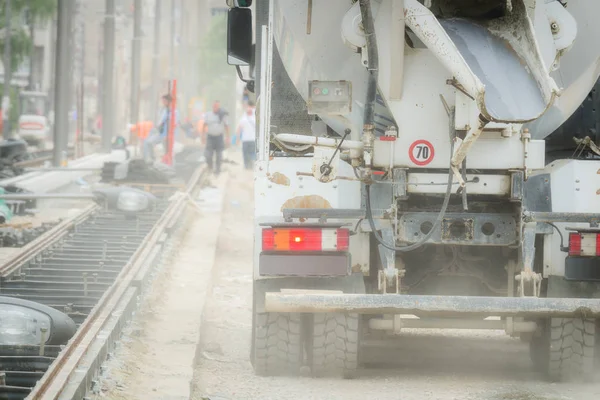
<point>247,133</point>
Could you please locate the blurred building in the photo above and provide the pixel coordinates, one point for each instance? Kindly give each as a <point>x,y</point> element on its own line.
<point>179,53</point>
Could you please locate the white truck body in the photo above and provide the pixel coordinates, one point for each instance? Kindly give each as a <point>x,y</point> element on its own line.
<point>462,99</point>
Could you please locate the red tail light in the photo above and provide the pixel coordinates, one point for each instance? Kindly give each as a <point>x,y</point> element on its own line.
<point>268,239</point>
<point>574,244</point>
<point>305,239</point>
<point>343,239</point>
<point>597,244</point>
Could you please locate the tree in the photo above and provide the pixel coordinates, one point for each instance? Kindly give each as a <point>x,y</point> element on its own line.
<point>21,38</point>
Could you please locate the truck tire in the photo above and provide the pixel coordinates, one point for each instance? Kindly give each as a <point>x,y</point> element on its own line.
<point>334,344</point>
<point>572,348</point>
<point>276,346</point>
<point>539,349</point>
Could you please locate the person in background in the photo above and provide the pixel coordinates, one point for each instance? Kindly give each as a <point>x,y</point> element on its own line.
<point>200,130</point>
<point>159,134</point>
<point>216,129</point>
<point>247,133</point>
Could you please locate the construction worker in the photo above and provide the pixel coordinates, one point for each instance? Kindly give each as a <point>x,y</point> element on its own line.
<point>160,132</point>
<point>216,129</point>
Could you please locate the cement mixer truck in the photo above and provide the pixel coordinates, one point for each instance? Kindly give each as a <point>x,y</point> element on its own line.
<point>402,180</point>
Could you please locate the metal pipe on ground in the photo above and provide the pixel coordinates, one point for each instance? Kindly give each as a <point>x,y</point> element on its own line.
<point>48,196</point>
<point>66,169</point>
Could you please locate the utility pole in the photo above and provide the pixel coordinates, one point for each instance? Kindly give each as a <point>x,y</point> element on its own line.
<point>78,73</point>
<point>7,70</point>
<point>71,67</point>
<point>136,62</point>
<point>108,111</point>
<point>155,60</point>
<point>173,33</point>
<point>62,82</point>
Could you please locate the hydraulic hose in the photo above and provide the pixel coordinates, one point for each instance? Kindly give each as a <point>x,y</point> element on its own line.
<point>373,64</point>
<point>369,126</point>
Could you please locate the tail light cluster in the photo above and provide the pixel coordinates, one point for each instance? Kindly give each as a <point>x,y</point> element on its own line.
<point>305,239</point>
<point>584,244</point>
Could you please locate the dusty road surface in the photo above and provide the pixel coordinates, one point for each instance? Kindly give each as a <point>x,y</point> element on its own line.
<point>192,338</point>
<point>155,358</point>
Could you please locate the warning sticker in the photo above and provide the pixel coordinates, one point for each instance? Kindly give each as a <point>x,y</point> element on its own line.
<point>421,152</point>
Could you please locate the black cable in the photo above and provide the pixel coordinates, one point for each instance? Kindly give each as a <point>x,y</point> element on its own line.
<point>357,224</point>
<point>326,168</point>
<point>562,239</point>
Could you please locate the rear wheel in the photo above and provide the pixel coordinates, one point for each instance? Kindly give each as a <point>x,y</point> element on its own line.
<point>572,344</point>
<point>539,351</point>
<point>276,348</point>
<point>333,347</point>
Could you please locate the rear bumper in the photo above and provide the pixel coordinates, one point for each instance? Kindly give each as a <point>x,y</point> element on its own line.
<point>431,305</point>
<point>322,264</point>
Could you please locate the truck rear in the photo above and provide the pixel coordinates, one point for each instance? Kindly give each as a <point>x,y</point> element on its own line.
<point>401,177</point>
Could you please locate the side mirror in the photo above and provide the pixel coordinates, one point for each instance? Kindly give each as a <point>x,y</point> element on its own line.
<point>239,36</point>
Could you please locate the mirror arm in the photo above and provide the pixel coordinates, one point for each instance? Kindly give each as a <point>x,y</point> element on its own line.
<point>249,82</point>
<point>240,75</point>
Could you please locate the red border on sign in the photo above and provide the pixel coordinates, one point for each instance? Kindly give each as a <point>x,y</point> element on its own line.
<point>414,160</point>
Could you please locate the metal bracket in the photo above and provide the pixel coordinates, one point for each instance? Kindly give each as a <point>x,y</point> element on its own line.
<point>528,276</point>
<point>528,246</point>
<point>385,282</point>
<point>527,259</point>
<point>389,276</point>
<point>516,185</point>
<point>364,55</point>
<point>400,180</point>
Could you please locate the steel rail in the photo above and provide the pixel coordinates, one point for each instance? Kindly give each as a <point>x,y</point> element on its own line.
<point>65,365</point>
<point>32,249</point>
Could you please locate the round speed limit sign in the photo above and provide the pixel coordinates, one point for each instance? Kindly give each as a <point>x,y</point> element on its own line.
<point>421,152</point>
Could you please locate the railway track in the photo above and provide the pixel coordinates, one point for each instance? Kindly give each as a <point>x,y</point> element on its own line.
<point>91,267</point>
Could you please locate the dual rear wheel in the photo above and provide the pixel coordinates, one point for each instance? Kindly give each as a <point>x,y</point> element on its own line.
<point>327,344</point>
<point>568,349</point>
